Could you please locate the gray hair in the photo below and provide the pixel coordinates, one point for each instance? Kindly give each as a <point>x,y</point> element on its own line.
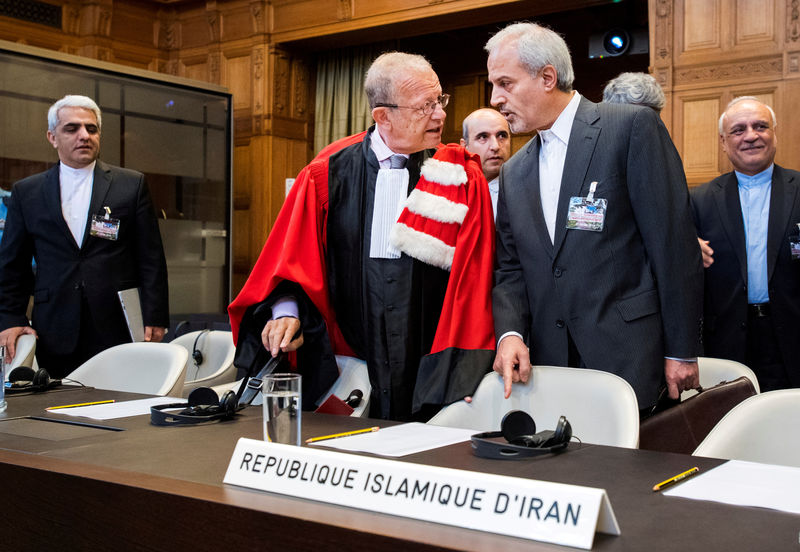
<point>538,46</point>
<point>382,76</point>
<point>637,89</point>
<point>742,99</point>
<point>71,101</point>
<point>465,122</point>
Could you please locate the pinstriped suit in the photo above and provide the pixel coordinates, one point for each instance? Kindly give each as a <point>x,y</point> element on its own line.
<point>628,295</point>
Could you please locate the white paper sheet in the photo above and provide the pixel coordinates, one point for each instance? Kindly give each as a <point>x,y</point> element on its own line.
<point>400,440</point>
<point>111,411</point>
<point>745,484</point>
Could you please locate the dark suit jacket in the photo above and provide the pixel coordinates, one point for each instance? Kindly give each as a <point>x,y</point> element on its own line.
<point>718,216</point>
<point>36,228</point>
<point>628,295</point>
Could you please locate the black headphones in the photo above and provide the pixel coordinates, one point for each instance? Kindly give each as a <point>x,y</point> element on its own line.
<point>203,404</point>
<point>197,355</point>
<point>23,379</point>
<point>519,430</point>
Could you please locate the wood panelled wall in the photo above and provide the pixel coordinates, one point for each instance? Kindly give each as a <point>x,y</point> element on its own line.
<point>704,52</point>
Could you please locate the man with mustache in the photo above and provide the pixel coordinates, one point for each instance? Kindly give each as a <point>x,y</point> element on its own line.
<point>92,230</point>
<point>749,220</point>
<point>597,261</point>
<point>486,133</point>
<point>342,274</point>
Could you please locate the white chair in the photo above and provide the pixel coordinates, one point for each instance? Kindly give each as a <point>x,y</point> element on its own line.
<point>25,353</point>
<point>216,351</point>
<point>763,428</point>
<point>353,375</point>
<point>717,370</point>
<point>150,368</point>
<point>600,407</point>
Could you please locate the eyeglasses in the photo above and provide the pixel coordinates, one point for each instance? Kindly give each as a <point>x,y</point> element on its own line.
<point>426,109</point>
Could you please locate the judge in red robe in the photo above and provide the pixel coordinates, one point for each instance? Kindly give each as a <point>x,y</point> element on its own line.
<point>412,298</point>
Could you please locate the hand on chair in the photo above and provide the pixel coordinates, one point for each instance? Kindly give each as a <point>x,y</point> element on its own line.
<point>513,362</point>
<point>8,338</point>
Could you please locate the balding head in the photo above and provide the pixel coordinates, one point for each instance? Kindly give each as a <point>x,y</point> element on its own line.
<point>747,135</point>
<point>486,134</point>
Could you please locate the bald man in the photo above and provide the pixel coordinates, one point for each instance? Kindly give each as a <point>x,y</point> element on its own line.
<point>749,218</point>
<point>487,135</point>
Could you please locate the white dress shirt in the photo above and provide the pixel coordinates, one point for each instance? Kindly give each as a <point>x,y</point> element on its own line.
<point>494,192</point>
<point>552,154</point>
<point>76,194</point>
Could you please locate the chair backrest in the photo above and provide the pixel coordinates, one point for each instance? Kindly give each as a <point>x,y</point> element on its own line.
<point>717,370</point>
<point>763,428</point>
<point>217,351</point>
<point>25,353</point>
<point>151,368</point>
<point>353,375</point>
<point>601,407</point>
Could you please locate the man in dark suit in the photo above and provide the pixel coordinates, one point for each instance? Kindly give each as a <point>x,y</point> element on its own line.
<point>597,262</point>
<point>748,220</point>
<point>92,231</point>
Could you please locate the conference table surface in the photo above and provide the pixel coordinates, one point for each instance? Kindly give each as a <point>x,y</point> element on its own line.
<point>160,488</point>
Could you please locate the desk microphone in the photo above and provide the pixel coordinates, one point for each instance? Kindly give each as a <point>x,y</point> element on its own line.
<point>354,399</point>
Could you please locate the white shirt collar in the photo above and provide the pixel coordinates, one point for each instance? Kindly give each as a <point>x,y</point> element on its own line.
<point>76,174</point>
<point>562,127</point>
<point>381,150</point>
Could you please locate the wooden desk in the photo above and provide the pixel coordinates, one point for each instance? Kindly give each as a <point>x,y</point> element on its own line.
<point>160,488</point>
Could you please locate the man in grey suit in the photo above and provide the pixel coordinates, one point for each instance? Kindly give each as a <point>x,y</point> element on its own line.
<point>749,220</point>
<point>598,265</point>
<point>92,231</point>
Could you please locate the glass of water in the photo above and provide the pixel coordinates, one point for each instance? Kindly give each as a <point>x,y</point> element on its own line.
<point>281,394</point>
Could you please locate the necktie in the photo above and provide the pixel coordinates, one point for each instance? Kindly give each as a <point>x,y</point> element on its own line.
<point>398,161</point>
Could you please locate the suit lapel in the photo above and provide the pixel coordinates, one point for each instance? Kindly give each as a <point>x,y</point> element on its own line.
<point>581,146</point>
<point>528,181</point>
<point>100,187</point>
<point>52,201</point>
<point>781,202</point>
<point>730,213</point>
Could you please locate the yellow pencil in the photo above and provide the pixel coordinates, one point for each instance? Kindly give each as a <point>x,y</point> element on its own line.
<point>79,404</point>
<point>344,434</point>
<point>675,479</point>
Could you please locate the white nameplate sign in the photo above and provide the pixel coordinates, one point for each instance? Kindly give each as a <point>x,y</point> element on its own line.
<point>526,508</point>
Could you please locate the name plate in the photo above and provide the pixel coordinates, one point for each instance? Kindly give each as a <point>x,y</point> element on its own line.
<point>537,510</point>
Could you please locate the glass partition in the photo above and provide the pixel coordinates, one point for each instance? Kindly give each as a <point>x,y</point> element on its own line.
<point>177,132</point>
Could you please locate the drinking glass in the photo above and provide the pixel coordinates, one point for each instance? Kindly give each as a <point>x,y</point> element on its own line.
<point>282,413</point>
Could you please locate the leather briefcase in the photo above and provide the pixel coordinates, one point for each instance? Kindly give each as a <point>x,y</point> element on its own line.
<point>681,428</point>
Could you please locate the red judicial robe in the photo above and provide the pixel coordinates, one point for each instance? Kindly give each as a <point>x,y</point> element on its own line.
<point>297,251</point>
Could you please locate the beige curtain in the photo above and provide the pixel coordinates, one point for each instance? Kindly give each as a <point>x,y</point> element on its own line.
<point>341,105</point>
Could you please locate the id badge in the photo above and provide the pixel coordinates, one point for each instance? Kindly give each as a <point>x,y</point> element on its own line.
<point>794,245</point>
<point>587,213</point>
<point>105,227</point>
